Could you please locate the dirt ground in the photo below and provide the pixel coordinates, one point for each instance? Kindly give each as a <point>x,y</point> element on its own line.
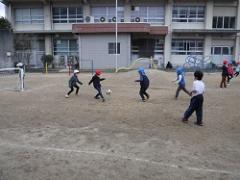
<point>44,136</point>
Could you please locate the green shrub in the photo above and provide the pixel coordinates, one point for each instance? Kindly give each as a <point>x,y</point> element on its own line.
<point>4,23</point>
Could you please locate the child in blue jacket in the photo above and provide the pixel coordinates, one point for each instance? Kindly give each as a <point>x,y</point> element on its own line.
<point>180,81</point>
<point>144,84</point>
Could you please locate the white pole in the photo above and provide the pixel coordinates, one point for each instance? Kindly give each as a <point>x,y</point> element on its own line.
<point>21,79</point>
<point>116,36</point>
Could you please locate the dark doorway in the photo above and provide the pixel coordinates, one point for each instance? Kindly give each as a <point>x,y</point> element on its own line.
<point>145,47</point>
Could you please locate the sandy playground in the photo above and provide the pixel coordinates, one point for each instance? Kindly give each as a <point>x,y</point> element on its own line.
<point>44,136</point>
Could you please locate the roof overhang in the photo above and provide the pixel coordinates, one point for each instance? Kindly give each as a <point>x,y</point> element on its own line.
<point>96,28</point>
<point>208,31</point>
<point>41,32</point>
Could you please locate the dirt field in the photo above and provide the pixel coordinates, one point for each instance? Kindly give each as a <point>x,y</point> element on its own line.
<point>44,136</point>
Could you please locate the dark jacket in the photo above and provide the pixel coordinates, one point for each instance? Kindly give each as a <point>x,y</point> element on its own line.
<point>96,81</point>
<point>73,81</point>
<point>144,81</point>
<point>224,70</point>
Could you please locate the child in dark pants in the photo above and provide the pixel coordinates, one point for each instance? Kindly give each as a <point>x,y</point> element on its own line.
<point>180,81</point>
<point>97,85</point>
<point>144,84</point>
<point>224,74</point>
<point>237,69</point>
<point>196,103</point>
<point>73,83</point>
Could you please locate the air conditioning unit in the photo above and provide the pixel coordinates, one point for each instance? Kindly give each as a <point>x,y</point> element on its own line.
<point>138,19</point>
<point>89,19</point>
<point>102,19</point>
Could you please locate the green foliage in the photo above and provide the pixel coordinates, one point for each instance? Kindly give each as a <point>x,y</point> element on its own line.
<point>47,59</point>
<point>4,23</point>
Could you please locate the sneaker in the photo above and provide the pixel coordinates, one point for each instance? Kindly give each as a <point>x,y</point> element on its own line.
<point>143,100</point>
<point>148,96</point>
<point>184,120</point>
<point>97,97</point>
<point>103,100</point>
<point>198,124</point>
<point>66,96</point>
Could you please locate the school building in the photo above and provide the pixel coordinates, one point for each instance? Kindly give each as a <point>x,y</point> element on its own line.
<point>167,30</point>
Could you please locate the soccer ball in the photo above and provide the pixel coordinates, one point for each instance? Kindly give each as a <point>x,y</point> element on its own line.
<point>108,91</point>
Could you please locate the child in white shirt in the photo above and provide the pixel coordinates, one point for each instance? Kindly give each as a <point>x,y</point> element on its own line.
<point>196,103</point>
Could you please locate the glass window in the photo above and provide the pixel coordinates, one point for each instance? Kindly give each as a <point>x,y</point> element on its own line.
<point>232,22</point>
<point>214,22</point>
<point>67,15</point>
<point>107,14</point>
<point>188,13</point>
<point>159,46</point>
<point>37,15</point>
<point>112,48</point>
<point>222,50</point>
<point>65,47</point>
<point>223,22</point>
<point>217,50</point>
<point>220,22</point>
<point>186,47</point>
<point>201,12</point>
<point>29,16</point>
<point>225,50</point>
<point>152,14</point>
<point>226,22</point>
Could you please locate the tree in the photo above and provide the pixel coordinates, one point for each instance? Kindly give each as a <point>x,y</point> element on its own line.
<point>47,60</point>
<point>5,24</point>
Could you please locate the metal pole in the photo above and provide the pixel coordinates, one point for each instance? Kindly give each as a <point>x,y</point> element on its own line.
<point>116,36</point>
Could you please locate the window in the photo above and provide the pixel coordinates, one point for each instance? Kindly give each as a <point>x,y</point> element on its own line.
<point>159,46</point>
<point>67,15</point>
<point>112,48</point>
<point>107,14</point>
<point>150,14</point>
<point>188,14</point>
<point>187,47</point>
<point>29,16</point>
<point>222,50</point>
<point>65,47</point>
<point>226,22</point>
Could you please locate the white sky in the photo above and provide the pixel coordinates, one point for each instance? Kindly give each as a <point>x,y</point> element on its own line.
<point>2,11</point>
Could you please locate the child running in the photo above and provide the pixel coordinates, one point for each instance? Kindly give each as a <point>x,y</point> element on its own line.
<point>144,84</point>
<point>73,83</point>
<point>237,69</point>
<point>196,103</point>
<point>230,73</point>
<point>97,85</point>
<point>180,81</point>
<point>224,74</point>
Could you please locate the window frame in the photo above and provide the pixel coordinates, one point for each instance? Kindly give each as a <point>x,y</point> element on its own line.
<point>112,48</point>
<point>221,48</point>
<point>28,19</point>
<point>105,12</point>
<point>179,17</point>
<point>143,12</point>
<point>65,50</point>
<point>187,47</point>
<point>224,22</point>
<point>61,18</point>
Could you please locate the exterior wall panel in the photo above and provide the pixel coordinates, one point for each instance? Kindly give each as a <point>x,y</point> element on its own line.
<point>95,47</point>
